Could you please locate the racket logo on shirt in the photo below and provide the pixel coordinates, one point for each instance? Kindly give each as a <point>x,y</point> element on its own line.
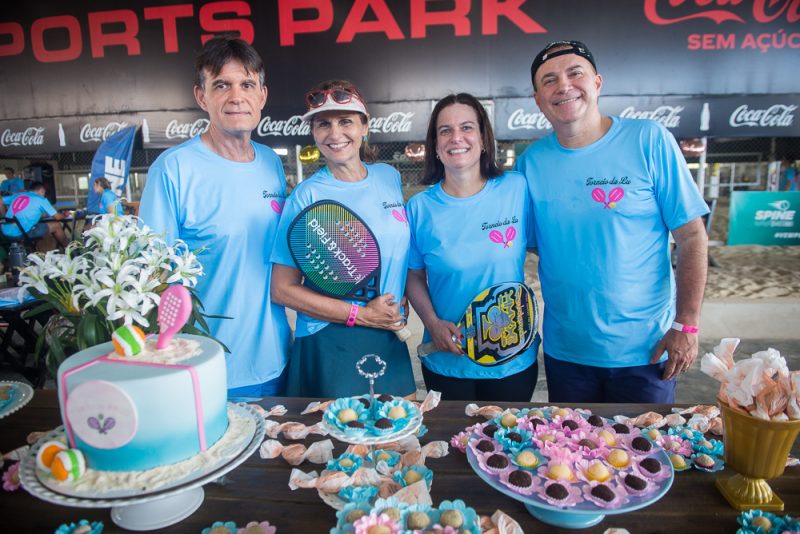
<point>277,207</point>
<point>507,240</point>
<point>20,203</point>
<point>400,215</point>
<point>614,196</point>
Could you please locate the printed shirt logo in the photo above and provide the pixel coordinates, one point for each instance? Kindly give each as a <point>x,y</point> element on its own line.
<point>507,240</point>
<point>19,204</point>
<point>400,215</point>
<point>614,196</point>
<point>277,206</point>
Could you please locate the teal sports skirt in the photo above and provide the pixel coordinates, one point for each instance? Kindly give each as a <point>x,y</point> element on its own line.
<point>324,363</point>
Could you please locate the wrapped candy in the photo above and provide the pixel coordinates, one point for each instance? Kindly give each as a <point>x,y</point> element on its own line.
<point>431,401</point>
<point>316,406</point>
<point>487,412</point>
<point>433,449</point>
<point>328,481</point>
<point>645,420</point>
<point>760,386</point>
<point>500,523</point>
<point>318,452</point>
<point>279,410</point>
<point>293,430</point>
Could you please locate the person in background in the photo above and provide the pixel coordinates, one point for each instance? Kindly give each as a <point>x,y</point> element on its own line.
<point>453,257</point>
<point>28,207</point>
<point>221,193</point>
<point>619,325</point>
<point>109,201</point>
<point>12,184</point>
<point>790,181</point>
<point>332,335</point>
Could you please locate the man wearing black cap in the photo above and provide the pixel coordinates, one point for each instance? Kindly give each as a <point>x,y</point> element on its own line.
<point>619,326</point>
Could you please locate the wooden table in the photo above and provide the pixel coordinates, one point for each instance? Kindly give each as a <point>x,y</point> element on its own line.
<point>258,490</point>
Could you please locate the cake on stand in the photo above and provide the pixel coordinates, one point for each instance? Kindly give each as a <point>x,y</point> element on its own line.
<point>132,509</point>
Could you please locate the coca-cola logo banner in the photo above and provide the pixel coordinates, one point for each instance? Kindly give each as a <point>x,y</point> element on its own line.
<point>65,60</point>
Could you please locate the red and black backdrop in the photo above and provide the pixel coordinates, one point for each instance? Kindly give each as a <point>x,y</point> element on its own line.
<point>72,73</point>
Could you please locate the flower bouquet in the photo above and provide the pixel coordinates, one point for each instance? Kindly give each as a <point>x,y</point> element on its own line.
<point>114,278</point>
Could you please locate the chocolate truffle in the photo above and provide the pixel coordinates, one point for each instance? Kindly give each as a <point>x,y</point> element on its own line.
<point>651,465</point>
<point>498,461</point>
<point>596,420</point>
<point>589,444</point>
<point>355,424</point>
<point>451,518</point>
<point>516,437</point>
<point>569,423</point>
<point>385,397</point>
<point>489,430</point>
<point>383,423</point>
<point>601,491</point>
<point>635,482</point>
<point>364,401</point>
<point>557,491</point>
<point>418,520</point>
<point>392,512</point>
<point>621,429</point>
<point>485,445</point>
<point>355,515</point>
<point>641,444</point>
<point>536,422</point>
<point>521,479</point>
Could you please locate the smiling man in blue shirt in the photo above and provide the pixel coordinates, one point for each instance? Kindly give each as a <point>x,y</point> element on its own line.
<point>224,193</point>
<point>619,326</point>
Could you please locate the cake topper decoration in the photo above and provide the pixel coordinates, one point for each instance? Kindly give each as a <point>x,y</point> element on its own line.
<point>173,312</point>
<point>371,376</point>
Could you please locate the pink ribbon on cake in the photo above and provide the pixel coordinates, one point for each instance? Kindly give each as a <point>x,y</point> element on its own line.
<point>198,404</point>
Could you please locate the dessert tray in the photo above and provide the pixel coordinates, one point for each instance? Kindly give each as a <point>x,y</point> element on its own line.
<point>19,394</point>
<point>580,507</point>
<point>169,503</point>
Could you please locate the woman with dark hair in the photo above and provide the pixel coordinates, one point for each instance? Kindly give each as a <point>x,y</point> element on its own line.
<point>455,253</point>
<point>109,201</point>
<point>332,334</point>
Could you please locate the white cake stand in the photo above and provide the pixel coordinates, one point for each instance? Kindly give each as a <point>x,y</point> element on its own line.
<point>152,509</point>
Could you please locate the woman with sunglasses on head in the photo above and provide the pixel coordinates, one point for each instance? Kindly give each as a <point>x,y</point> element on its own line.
<point>332,334</point>
<point>468,232</point>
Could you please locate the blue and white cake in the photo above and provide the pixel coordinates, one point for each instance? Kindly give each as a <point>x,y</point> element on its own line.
<point>158,407</point>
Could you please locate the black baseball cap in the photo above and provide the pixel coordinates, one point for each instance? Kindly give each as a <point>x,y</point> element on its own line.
<point>567,47</point>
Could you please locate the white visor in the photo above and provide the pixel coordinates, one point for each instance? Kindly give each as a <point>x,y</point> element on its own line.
<point>330,104</point>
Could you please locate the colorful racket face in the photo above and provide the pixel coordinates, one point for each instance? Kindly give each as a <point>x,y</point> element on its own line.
<point>499,324</point>
<point>336,252</point>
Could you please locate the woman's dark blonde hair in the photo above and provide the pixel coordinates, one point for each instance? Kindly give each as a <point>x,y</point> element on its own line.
<point>103,182</point>
<point>367,152</point>
<point>434,170</point>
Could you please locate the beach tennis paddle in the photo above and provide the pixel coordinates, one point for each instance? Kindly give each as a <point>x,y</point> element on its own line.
<point>499,324</point>
<point>337,253</point>
<point>174,310</point>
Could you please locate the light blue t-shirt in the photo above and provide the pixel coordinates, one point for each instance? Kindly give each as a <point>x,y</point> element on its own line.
<point>28,208</point>
<point>108,198</point>
<point>232,209</point>
<point>13,185</point>
<point>378,200</point>
<point>602,215</point>
<point>466,245</point>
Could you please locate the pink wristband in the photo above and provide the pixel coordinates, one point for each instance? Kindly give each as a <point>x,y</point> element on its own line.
<point>685,328</point>
<point>351,319</point>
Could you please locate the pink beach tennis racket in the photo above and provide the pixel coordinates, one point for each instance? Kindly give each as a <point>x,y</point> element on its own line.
<point>173,312</point>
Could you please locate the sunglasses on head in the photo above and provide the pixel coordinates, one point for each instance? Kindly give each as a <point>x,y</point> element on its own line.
<point>339,94</point>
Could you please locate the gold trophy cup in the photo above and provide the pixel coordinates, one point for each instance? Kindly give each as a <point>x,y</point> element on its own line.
<point>757,450</point>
